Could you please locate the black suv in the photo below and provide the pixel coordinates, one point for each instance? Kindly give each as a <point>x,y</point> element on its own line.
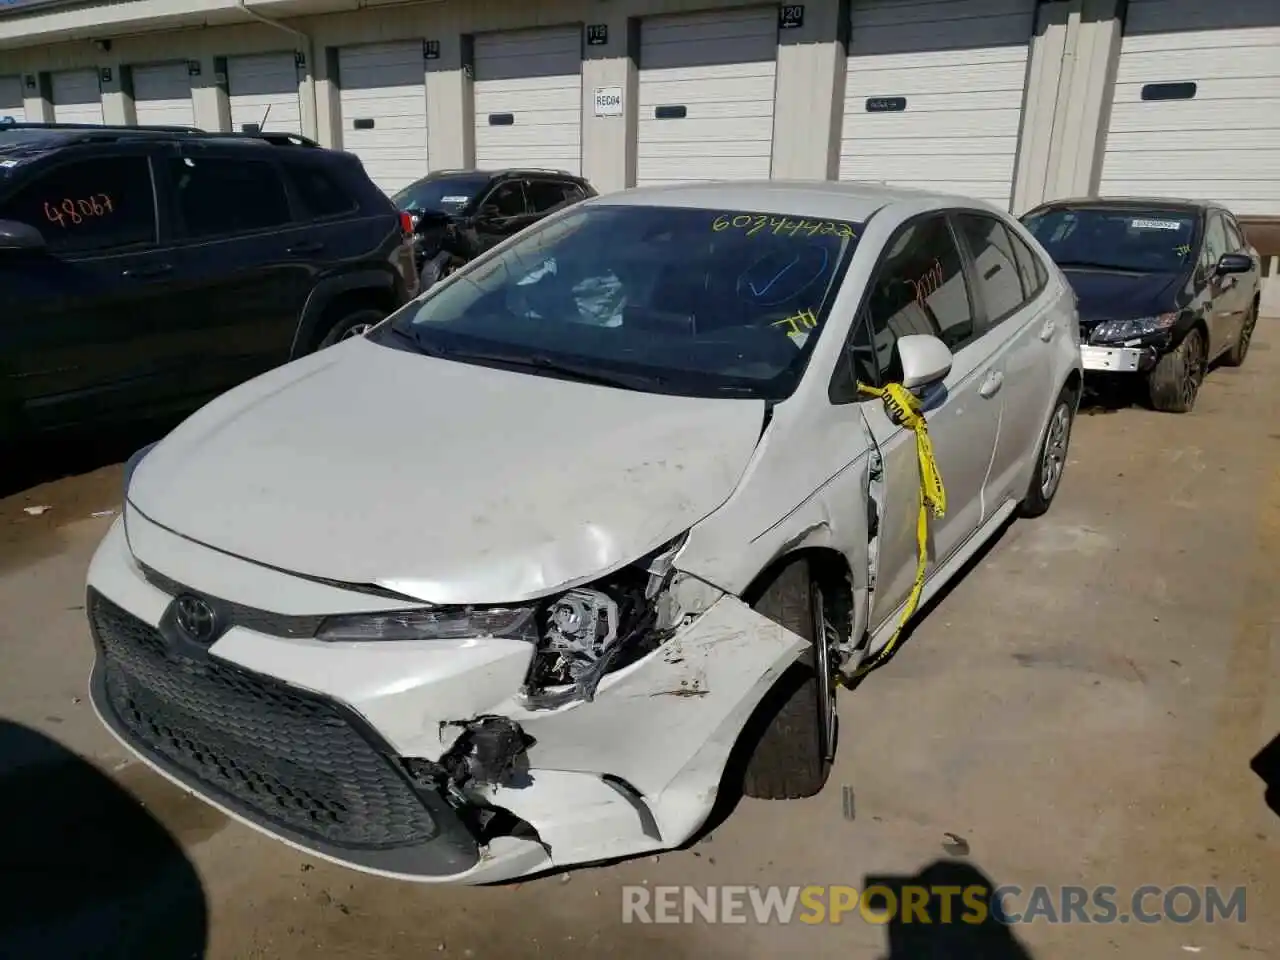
<point>456,215</point>
<point>147,269</point>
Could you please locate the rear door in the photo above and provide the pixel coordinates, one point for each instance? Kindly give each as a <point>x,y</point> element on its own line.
<point>246,262</point>
<point>1016,331</point>
<point>503,213</point>
<point>91,326</point>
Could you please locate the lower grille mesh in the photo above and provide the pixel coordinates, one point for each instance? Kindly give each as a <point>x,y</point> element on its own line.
<point>273,752</point>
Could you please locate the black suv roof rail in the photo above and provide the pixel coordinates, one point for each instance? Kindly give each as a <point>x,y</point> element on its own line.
<point>103,130</point>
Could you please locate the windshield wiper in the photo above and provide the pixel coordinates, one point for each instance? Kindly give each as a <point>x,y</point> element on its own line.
<point>569,370</point>
<point>1095,265</point>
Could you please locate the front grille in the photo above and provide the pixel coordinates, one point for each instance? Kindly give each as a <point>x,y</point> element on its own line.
<point>275,753</point>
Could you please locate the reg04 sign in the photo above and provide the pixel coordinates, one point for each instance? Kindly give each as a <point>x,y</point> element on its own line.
<point>608,101</point>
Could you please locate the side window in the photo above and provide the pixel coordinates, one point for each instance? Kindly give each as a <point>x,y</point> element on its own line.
<point>1034,274</point>
<point>1235,239</point>
<point>217,196</point>
<point>90,206</point>
<point>919,287</point>
<point>995,265</point>
<point>544,194</point>
<point>507,199</point>
<point>573,193</point>
<point>1215,241</point>
<point>319,193</point>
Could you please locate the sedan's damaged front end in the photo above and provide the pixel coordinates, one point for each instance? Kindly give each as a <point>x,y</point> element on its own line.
<point>457,744</point>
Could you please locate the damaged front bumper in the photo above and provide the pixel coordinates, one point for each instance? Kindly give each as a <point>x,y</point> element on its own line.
<point>421,760</point>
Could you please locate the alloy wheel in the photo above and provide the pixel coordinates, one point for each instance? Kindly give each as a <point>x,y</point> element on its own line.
<point>1053,460</point>
<point>1246,333</point>
<point>1192,368</point>
<point>824,636</point>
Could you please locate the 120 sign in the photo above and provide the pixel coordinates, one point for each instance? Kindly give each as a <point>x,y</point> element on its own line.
<point>76,211</point>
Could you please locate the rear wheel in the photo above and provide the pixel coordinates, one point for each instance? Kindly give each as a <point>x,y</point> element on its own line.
<point>1235,356</point>
<point>794,728</point>
<point>1051,458</point>
<point>356,323</point>
<point>1175,381</point>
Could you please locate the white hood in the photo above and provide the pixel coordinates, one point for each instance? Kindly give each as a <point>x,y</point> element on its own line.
<point>448,482</point>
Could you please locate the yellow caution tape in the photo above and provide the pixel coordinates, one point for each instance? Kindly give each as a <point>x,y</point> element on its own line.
<point>904,409</point>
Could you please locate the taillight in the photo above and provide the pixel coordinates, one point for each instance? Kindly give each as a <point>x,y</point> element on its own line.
<point>406,223</point>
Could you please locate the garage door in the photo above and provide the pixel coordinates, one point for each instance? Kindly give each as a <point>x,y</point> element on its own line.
<point>11,103</point>
<point>933,94</point>
<point>263,89</point>
<point>384,110</point>
<point>706,96</point>
<point>77,98</point>
<point>528,91</point>
<point>1197,104</point>
<point>162,95</point>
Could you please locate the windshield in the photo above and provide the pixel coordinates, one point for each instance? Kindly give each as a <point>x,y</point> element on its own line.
<point>1144,241</point>
<point>449,195</point>
<point>676,300</point>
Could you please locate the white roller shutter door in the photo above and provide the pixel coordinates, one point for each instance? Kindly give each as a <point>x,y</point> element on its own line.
<point>11,102</point>
<point>528,99</point>
<point>263,89</point>
<point>162,95</point>
<point>384,110</point>
<point>77,98</point>
<point>934,93</point>
<point>1223,142</point>
<point>707,87</point>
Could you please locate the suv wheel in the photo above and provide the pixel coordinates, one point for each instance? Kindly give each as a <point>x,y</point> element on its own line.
<point>354,324</point>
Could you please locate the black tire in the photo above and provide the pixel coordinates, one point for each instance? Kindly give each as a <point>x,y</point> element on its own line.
<point>352,324</point>
<point>1175,381</point>
<point>786,759</point>
<point>1052,451</point>
<point>1235,356</point>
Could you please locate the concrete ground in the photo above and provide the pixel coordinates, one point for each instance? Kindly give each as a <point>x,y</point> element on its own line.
<point>1081,708</point>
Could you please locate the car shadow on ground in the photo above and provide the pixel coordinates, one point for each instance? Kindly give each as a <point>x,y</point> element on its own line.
<point>90,872</point>
<point>30,462</point>
<point>1267,766</point>
<point>961,924</point>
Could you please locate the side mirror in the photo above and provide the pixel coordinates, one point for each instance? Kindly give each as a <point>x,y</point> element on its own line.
<point>1234,263</point>
<point>925,360</point>
<point>20,236</point>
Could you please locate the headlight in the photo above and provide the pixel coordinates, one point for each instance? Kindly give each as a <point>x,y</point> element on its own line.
<point>1128,329</point>
<point>446,623</point>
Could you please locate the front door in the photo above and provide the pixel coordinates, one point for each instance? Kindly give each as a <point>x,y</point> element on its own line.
<point>920,287</point>
<point>1223,290</point>
<point>88,324</point>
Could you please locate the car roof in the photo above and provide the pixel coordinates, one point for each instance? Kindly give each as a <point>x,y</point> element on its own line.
<point>472,174</point>
<point>29,141</point>
<point>1129,203</point>
<point>840,200</point>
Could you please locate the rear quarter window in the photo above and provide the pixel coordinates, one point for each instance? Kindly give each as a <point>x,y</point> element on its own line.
<point>320,194</point>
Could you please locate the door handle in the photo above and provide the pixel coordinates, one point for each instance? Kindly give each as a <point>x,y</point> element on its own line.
<point>991,386</point>
<point>306,246</point>
<point>1048,330</point>
<point>150,270</point>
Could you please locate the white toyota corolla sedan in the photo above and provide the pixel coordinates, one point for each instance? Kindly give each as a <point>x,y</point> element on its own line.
<point>499,586</point>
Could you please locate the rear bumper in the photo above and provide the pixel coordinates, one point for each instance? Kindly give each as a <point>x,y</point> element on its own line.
<point>308,741</point>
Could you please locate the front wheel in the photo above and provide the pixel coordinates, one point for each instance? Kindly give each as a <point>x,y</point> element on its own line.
<point>1175,381</point>
<point>1051,457</point>
<point>792,734</point>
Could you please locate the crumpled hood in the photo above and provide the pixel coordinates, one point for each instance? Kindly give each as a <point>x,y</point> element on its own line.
<point>1104,295</point>
<point>448,482</point>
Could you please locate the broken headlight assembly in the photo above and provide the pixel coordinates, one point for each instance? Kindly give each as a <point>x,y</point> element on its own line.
<point>578,636</point>
<point>1111,330</point>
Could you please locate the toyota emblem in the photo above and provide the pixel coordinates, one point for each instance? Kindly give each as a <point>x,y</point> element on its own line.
<point>195,618</point>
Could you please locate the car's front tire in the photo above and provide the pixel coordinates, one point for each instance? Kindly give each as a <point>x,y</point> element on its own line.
<point>1051,455</point>
<point>1175,382</point>
<point>787,736</point>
